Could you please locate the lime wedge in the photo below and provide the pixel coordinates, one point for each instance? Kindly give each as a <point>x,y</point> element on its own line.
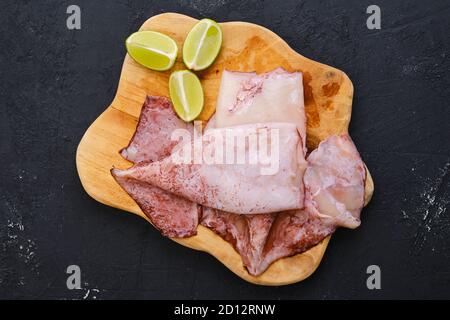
<point>187,94</point>
<point>152,49</point>
<point>202,45</point>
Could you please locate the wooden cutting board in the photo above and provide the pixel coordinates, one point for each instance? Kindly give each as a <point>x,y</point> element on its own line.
<point>246,47</point>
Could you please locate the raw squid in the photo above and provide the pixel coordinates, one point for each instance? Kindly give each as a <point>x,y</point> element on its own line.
<point>334,196</point>
<point>335,172</point>
<point>275,96</point>
<point>172,215</point>
<point>334,181</point>
<point>264,216</point>
<point>292,232</point>
<point>239,188</point>
<point>246,232</point>
<point>249,98</point>
<point>289,232</point>
<point>152,139</point>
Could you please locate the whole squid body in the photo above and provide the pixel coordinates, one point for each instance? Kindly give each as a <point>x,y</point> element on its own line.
<point>262,182</point>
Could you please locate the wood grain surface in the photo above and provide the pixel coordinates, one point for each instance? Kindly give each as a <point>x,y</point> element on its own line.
<point>246,47</point>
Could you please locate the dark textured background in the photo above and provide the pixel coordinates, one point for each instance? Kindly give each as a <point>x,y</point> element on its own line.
<point>55,82</point>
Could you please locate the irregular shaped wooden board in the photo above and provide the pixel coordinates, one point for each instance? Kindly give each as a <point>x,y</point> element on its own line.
<point>246,47</point>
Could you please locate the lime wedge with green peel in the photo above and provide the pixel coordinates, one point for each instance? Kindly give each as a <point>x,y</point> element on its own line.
<point>152,49</point>
<point>202,45</point>
<point>187,94</point>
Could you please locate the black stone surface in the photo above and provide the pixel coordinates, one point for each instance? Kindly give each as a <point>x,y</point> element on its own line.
<point>55,82</point>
